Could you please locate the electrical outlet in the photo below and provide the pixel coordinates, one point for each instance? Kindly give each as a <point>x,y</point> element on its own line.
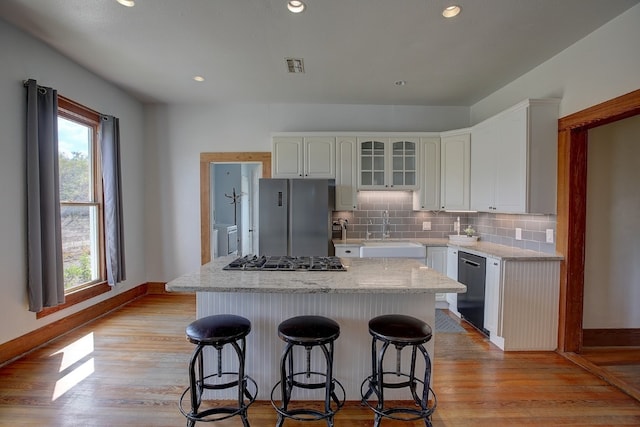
<point>549,235</point>
<point>518,233</point>
<point>426,226</point>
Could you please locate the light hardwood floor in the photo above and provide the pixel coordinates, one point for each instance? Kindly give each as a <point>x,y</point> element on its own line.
<point>128,368</point>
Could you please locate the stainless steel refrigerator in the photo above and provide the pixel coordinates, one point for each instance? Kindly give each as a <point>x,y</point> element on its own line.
<point>295,216</point>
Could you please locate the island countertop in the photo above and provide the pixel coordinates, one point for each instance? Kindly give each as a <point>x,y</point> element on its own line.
<point>362,275</point>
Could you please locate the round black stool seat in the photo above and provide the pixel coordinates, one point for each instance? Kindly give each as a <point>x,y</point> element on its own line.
<point>399,331</point>
<point>309,332</point>
<point>221,328</point>
<point>218,331</point>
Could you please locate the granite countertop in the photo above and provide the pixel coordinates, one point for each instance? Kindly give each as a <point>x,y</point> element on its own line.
<point>480,248</point>
<point>363,275</point>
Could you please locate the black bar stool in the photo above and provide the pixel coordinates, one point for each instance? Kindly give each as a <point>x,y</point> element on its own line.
<point>218,331</point>
<point>309,332</point>
<point>400,331</point>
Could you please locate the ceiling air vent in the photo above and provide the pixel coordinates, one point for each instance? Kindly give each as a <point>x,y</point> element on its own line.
<point>295,65</point>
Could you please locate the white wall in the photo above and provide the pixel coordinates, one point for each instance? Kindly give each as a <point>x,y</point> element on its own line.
<point>22,57</point>
<point>599,67</point>
<point>179,133</point>
<point>612,250</point>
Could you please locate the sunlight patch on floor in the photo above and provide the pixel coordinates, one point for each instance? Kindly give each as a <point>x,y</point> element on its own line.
<point>71,355</point>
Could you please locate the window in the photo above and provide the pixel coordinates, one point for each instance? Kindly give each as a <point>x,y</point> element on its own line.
<point>81,210</point>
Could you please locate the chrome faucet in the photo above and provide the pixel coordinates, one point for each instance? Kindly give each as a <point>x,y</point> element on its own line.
<point>385,225</point>
<point>343,228</point>
<point>369,222</point>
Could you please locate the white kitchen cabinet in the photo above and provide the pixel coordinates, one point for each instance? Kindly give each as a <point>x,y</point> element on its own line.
<point>455,158</point>
<point>303,157</point>
<point>514,157</point>
<point>521,304</point>
<point>388,163</point>
<point>492,295</point>
<point>452,273</point>
<point>427,197</point>
<point>437,260</point>
<point>346,173</point>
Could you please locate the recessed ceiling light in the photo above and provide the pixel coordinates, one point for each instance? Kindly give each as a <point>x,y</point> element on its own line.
<point>296,6</point>
<point>400,82</point>
<point>451,11</point>
<point>198,78</point>
<point>128,3</point>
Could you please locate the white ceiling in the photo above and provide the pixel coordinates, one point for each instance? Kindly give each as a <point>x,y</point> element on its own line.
<point>354,50</point>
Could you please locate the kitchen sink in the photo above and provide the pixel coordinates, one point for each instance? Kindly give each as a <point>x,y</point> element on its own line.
<point>392,249</point>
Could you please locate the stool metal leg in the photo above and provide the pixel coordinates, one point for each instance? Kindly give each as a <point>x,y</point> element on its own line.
<point>196,384</point>
<point>424,403</point>
<point>286,381</point>
<point>241,380</point>
<point>329,392</point>
<point>380,382</point>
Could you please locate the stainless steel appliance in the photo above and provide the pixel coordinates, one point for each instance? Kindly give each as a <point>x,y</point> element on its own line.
<point>227,239</point>
<point>286,263</point>
<point>471,272</point>
<point>295,216</point>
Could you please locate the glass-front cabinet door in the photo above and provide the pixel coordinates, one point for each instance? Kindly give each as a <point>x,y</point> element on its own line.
<point>372,164</point>
<point>387,163</point>
<point>404,162</point>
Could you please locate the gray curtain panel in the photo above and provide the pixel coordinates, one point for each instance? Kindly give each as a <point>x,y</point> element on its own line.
<point>45,277</point>
<point>113,222</point>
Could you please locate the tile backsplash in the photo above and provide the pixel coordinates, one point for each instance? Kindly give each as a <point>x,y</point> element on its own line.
<point>405,223</point>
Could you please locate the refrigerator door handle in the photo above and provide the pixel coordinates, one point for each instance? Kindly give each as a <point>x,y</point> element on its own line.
<point>280,198</point>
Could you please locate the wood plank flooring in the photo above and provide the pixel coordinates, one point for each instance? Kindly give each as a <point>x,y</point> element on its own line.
<point>128,368</point>
<point>619,366</point>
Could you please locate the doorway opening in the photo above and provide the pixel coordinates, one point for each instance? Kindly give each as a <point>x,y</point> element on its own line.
<point>234,202</point>
<point>206,215</point>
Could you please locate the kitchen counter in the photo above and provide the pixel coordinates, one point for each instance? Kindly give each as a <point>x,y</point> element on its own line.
<point>363,275</point>
<point>369,288</point>
<point>480,248</point>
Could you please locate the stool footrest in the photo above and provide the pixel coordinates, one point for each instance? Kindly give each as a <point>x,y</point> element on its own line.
<point>425,408</point>
<point>221,413</point>
<point>306,414</point>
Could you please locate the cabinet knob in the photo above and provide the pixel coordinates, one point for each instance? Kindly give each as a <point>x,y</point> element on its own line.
<point>348,251</point>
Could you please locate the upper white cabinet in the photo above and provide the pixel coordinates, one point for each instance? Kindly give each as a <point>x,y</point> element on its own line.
<point>303,157</point>
<point>427,197</point>
<point>514,160</point>
<point>387,163</point>
<point>455,157</point>
<point>346,173</point>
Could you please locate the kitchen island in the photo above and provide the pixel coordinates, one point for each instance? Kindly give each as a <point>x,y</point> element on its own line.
<point>369,287</point>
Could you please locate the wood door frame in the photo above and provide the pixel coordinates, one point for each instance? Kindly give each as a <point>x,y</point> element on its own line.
<point>571,219</point>
<point>205,189</point>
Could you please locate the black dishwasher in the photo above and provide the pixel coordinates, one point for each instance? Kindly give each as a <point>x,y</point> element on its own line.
<point>471,272</point>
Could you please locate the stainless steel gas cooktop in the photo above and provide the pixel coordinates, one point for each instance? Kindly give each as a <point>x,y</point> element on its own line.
<point>285,263</point>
